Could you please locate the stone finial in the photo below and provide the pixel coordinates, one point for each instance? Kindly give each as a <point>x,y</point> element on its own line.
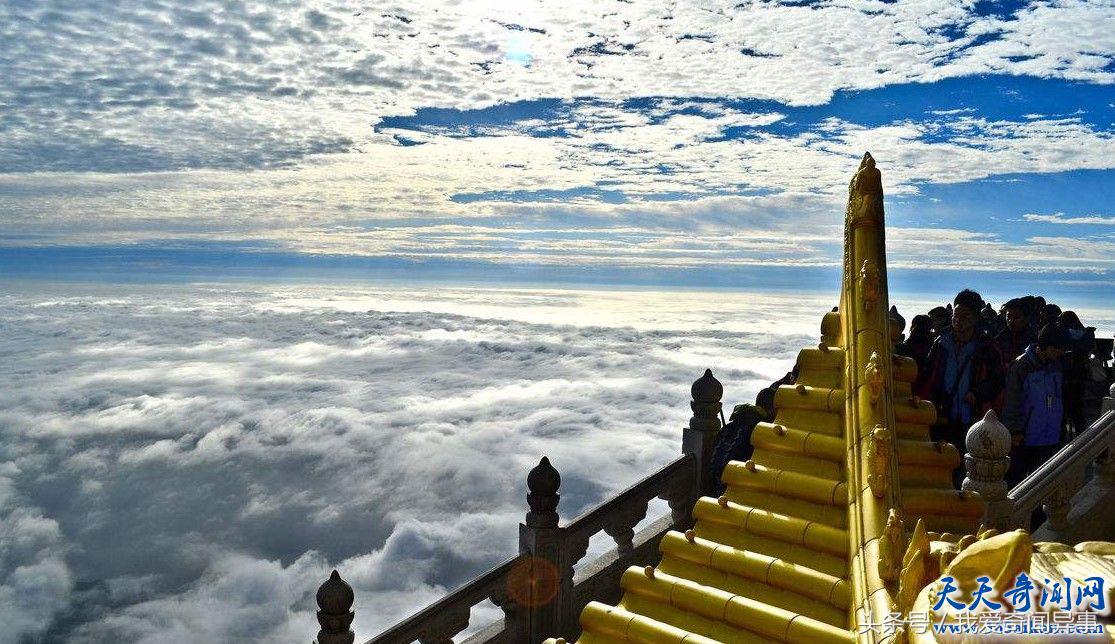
<point>706,406</point>
<point>897,319</point>
<point>707,388</point>
<point>988,438</point>
<point>542,496</point>
<point>335,614</point>
<point>988,458</point>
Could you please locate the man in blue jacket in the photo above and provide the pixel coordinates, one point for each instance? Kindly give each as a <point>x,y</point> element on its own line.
<point>1034,404</point>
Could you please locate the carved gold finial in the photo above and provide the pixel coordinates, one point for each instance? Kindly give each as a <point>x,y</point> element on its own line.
<point>913,577</point>
<point>649,570</point>
<point>879,458</point>
<point>874,377</point>
<point>869,284</point>
<point>722,501</point>
<point>801,389</point>
<point>865,195</point>
<point>780,430</point>
<point>891,548</point>
<point>867,180</point>
<point>749,465</point>
<point>690,536</point>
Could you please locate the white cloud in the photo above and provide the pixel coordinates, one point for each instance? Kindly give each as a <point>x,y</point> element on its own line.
<point>187,463</point>
<point>1060,218</point>
<point>407,203</point>
<point>116,86</point>
<point>254,122</point>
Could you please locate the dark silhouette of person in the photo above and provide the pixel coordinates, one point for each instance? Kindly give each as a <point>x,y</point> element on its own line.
<point>1081,341</point>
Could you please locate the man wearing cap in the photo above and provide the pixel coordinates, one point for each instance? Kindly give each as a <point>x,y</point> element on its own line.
<point>1034,403</point>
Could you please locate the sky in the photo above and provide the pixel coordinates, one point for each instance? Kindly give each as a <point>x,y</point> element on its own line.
<point>289,286</point>
<point>612,142</point>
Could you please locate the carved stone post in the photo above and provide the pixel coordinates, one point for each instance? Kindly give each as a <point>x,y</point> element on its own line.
<point>699,439</point>
<point>1058,506</point>
<point>547,594</point>
<point>987,462</point>
<point>334,599</point>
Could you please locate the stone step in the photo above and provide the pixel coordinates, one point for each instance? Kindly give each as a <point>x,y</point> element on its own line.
<point>823,422</point>
<point>836,566</point>
<point>729,609</point>
<point>811,535</point>
<point>940,454</point>
<point>778,573</point>
<point>812,398</point>
<point>601,623</point>
<point>830,515</point>
<point>925,476</point>
<point>941,502</point>
<point>790,462</point>
<point>780,438</point>
<point>815,489</point>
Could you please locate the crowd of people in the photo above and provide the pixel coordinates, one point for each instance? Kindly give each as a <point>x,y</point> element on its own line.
<point>1030,361</point>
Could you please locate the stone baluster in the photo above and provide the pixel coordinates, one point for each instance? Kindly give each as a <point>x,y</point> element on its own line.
<point>680,499</point>
<point>987,461</point>
<point>335,614</point>
<point>549,592</point>
<point>621,527</point>
<point>1058,506</point>
<point>699,438</point>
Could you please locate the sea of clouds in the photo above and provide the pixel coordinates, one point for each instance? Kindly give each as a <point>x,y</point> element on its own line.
<point>187,463</point>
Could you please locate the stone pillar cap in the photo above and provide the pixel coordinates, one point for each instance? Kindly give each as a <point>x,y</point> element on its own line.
<point>988,438</point>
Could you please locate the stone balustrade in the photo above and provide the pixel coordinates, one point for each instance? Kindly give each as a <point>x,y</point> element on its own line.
<point>538,590</point>
<point>1080,474</point>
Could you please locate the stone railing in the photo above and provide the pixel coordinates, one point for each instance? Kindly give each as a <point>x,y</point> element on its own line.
<point>539,592</point>
<point>1083,470</point>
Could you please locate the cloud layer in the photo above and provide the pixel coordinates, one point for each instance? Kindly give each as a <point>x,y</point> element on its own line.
<point>185,464</point>
<point>643,134</point>
<point>148,86</point>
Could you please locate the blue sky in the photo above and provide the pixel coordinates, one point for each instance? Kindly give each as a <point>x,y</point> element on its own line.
<point>586,143</point>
